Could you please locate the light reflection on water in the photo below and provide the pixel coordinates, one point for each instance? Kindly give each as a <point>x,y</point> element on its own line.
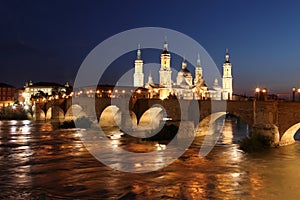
<point>38,159</point>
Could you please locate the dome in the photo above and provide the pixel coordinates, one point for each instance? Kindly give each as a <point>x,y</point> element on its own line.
<point>184,84</point>
<point>185,72</point>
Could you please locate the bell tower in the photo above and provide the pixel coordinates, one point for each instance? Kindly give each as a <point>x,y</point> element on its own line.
<point>227,78</point>
<point>165,73</point>
<point>138,77</point>
<point>198,71</point>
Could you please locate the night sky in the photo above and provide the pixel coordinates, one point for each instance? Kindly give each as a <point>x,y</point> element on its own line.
<point>48,40</point>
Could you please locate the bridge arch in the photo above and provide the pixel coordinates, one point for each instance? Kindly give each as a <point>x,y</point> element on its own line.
<point>54,113</point>
<point>49,114</point>
<point>288,135</point>
<point>207,125</point>
<point>110,116</point>
<point>39,115</point>
<point>74,112</point>
<point>152,117</point>
<point>133,118</point>
<point>58,113</point>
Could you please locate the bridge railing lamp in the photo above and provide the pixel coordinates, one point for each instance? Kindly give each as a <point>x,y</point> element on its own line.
<point>294,94</point>
<point>261,94</point>
<point>257,91</point>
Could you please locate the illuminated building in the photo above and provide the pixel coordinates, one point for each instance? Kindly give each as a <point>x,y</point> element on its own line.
<point>184,87</point>
<point>6,94</point>
<point>43,89</point>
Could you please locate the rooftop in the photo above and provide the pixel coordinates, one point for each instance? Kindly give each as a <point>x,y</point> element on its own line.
<point>46,84</point>
<point>6,85</point>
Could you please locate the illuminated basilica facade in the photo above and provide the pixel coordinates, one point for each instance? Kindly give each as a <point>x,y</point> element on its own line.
<point>184,87</point>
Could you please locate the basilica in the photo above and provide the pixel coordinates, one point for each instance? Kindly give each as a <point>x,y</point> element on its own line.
<point>184,87</point>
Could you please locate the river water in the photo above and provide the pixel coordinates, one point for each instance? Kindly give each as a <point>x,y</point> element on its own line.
<point>38,161</point>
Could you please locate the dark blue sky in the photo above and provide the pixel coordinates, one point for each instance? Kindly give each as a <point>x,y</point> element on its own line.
<point>48,40</point>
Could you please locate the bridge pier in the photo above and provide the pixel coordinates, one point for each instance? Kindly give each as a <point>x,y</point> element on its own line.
<point>57,114</point>
<point>39,114</point>
<point>269,130</point>
<point>126,121</point>
<point>186,130</point>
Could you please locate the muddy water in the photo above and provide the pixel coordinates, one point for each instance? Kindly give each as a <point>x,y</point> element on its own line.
<point>39,161</point>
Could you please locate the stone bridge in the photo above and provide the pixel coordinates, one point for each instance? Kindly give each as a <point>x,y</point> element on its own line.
<point>277,119</point>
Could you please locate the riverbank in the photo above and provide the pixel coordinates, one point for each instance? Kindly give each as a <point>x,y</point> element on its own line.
<point>10,114</point>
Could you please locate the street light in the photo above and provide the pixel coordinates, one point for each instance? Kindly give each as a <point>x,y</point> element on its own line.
<point>265,96</point>
<point>294,93</point>
<point>257,91</point>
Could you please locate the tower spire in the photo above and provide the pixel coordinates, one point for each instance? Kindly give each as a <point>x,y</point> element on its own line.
<point>198,61</point>
<point>227,55</point>
<point>165,44</point>
<point>184,63</point>
<point>139,54</point>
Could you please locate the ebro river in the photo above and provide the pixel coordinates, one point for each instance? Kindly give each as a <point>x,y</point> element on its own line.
<point>38,161</point>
